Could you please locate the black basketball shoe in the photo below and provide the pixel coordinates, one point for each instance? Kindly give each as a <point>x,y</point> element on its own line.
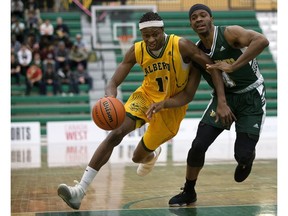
<point>184,198</point>
<point>243,171</point>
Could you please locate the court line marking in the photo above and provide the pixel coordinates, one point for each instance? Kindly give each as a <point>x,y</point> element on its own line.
<point>129,204</point>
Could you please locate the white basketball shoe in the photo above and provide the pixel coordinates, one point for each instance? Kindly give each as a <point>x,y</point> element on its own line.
<point>144,169</point>
<point>72,195</point>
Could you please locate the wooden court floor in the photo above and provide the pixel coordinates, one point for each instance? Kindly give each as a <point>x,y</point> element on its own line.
<point>118,191</point>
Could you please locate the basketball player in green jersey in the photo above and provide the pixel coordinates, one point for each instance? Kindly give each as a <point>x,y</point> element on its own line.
<point>166,63</point>
<point>233,50</point>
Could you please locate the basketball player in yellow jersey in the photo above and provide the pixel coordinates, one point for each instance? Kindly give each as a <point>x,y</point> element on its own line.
<point>166,61</point>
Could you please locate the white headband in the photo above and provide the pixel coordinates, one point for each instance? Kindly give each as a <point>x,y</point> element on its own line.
<point>154,23</point>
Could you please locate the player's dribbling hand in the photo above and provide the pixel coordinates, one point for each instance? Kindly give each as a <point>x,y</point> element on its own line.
<point>154,108</point>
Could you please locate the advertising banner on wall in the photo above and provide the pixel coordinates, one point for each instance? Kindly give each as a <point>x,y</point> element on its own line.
<point>25,145</point>
<point>73,143</point>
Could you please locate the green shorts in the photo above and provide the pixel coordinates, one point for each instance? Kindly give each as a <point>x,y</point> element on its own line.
<point>249,109</point>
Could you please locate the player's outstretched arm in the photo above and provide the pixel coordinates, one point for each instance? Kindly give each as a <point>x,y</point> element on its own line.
<point>238,37</point>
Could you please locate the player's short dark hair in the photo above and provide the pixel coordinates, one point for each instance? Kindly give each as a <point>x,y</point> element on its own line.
<point>150,16</point>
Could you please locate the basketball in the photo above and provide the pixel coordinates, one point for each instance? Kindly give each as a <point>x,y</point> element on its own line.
<point>108,113</point>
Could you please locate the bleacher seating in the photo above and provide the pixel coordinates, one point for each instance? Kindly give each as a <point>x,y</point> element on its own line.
<point>49,108</point>
<point>178,23</point>
<point>41,108</point>
<point>71,19</point>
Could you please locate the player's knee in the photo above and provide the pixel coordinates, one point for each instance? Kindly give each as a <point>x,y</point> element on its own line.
<point>196,154</point>
<point>198,147</point>
<point>115,137</point>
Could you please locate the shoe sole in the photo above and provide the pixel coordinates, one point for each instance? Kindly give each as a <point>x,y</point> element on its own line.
<point>183,204</point>
<point>64,193</point>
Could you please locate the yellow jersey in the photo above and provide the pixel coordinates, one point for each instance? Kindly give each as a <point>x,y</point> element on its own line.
<point>165,74</point>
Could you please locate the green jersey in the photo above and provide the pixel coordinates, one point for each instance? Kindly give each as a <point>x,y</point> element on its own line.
<point>242,80</point>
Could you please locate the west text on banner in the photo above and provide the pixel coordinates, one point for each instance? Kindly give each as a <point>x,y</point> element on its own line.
<point>72,143</point>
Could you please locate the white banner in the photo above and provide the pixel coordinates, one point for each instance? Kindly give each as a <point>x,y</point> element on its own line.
<point>74,132</point>
<point>73,143</point>
<point>25,145</point>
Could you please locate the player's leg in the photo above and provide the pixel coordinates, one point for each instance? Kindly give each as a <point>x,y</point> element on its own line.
<point>105,149</point>
<point>244,154</point>
<point>135,117</point>
<point>251,116</point>
<point>146,157</point>
<point>73,195</point>
<point>149,148</point>
<point>206,134</point>
<point>162,127</point>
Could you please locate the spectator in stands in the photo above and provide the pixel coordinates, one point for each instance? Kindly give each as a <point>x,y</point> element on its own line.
<point>32,24</point>
<point>49,61</point>
<point>37,60</point>
<point>15,44</point>
<point>30,41</point>
<point>46,50</point>
<point>66,77</point>
<point>15,69</point>
<point>18,28</point>
<point>82,77</point>
<point>36,49</point>
<point>32,5</point>
<point>77,56</point>
<point>24,56</point>
<point>62,32</point>
<point>49,4</point>
<point>234,51</point>
<point>46,33</point>
<point>61,55</point>
<point>17,9</point>
<point>50,78</point>
<point>33,78</point>
<point>80,42</point>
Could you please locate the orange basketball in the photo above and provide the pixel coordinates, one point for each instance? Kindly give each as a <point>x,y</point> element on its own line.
<point>108,113</point>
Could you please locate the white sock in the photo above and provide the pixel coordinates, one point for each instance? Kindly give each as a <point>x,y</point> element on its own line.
<point>87,177</point>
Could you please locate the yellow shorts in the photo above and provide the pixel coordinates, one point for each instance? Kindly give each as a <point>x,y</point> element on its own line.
<point>163,126</point>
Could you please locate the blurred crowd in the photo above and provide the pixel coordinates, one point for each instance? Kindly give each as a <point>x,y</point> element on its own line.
<point>46,54</point>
